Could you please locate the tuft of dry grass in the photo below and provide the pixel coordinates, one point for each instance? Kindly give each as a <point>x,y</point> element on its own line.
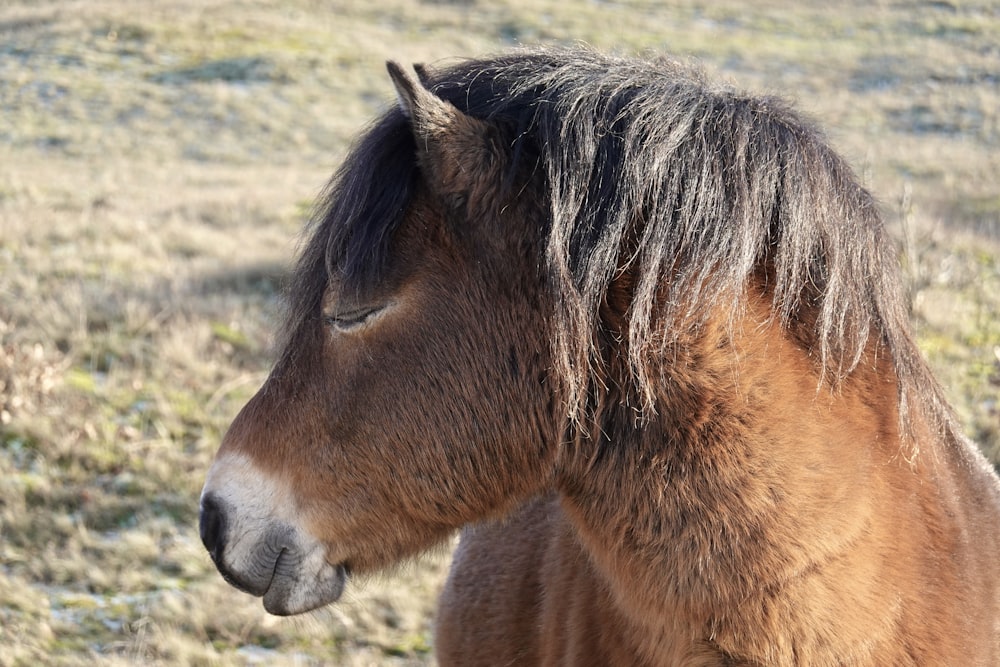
<point>156,163</point>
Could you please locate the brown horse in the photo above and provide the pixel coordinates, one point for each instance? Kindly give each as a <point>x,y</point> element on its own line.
<point>642,339</point>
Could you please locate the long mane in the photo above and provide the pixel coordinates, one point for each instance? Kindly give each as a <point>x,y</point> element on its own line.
<point>646,168</point>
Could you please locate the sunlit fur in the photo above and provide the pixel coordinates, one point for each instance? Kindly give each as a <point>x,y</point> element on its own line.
<point>643,337</point>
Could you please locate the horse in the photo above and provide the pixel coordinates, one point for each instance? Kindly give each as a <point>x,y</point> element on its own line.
<point>641,338</point>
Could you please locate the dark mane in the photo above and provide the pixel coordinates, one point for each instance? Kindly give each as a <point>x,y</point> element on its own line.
<point>354,218</point>
<point>693,189</point>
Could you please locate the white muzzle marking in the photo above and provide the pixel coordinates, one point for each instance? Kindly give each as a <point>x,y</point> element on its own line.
<point>251,525</point>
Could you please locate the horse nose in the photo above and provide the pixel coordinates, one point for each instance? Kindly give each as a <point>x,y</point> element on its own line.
<point>212,525</point>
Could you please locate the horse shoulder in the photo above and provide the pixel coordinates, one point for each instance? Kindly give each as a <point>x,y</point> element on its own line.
<point>522,591</point>
<point>487,613</point>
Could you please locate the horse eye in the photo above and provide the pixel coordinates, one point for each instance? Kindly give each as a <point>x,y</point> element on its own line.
<point>350,320</point>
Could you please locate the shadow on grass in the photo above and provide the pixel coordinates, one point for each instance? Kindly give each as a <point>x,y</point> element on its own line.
<point>262,280</point>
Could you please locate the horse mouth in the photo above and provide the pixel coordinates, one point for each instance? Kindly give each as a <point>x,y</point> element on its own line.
<point>294,582</point>
<point>298,586</point>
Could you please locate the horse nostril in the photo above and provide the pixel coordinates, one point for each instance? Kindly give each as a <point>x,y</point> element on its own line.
<point>212,525</point>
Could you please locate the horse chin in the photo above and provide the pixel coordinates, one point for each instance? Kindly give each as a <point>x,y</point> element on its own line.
<point>303,587</point>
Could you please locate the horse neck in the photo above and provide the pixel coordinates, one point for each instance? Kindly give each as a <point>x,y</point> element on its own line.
<point>750,471</point>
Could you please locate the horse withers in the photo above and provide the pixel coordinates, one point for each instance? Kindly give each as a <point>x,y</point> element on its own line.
<point>642,339</point>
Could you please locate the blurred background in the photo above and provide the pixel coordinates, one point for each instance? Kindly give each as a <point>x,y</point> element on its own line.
<point>157,162</point>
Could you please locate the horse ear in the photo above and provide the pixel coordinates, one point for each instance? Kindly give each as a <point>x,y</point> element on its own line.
<point>453,149</point>
<point>414,98</point>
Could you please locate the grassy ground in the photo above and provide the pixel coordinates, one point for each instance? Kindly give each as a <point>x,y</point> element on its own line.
<point>156,163</point>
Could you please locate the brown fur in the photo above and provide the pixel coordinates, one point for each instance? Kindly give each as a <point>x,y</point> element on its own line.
<point>672,440</point>
<point>766,545</point>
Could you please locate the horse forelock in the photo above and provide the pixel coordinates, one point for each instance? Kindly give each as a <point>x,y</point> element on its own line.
<point>647,169</point>
<point>353,220</point>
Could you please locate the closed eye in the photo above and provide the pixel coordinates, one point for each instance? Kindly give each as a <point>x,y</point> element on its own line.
<point>351,320</point>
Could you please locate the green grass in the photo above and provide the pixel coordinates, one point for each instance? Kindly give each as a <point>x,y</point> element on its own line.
<point>156,165</point>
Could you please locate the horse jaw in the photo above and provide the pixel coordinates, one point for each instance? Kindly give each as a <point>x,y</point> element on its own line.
<point>249,526</point>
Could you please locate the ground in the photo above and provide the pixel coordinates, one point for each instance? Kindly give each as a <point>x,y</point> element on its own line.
<point>157,161</point>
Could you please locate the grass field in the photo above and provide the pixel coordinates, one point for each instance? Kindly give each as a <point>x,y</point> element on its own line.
<point>157,160</point>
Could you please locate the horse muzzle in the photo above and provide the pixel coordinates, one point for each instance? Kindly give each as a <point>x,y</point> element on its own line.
<point>258,551</point>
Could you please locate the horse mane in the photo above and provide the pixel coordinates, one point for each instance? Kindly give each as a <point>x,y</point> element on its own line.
<point>647,169</point>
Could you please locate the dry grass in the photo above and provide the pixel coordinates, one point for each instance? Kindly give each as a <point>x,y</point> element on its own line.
<point>156,163</point>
